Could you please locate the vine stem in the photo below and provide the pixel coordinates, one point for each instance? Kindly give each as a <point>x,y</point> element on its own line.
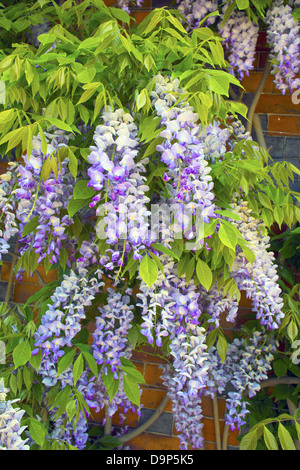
<point>217,423</point>
<point>11,276</point>
<point>108,422</point>
<point>257,95</point>
<point>143,427</point>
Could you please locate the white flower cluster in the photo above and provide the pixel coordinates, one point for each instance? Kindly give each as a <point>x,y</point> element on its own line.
<point>283,36</point>
<point>10,427</point>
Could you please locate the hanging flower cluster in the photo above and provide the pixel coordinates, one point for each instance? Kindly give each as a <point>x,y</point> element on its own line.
<point>115,170</point>
<point>172,309</point>
<point>247,364</point>
<point>62,321</point>
<point>45,200</point>
<point>240,37</point>
<point>10,427</point>
<point>283,36</point>
<point>258,279</point>
<point>8,222</point>
<point>189,182</point>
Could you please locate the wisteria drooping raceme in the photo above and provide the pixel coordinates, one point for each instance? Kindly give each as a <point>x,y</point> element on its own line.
<point>109,346</point>
<point>9,226</point>
<point>247,364</point>
<point>283,36</point>
<point>62,321</point>
<point>240,38</point>
<point>46,200</point>
<point>10,426</point>
<point>258,279</point>
<point>118,178</point>
<point>187,176</point>
<point>152,130</point>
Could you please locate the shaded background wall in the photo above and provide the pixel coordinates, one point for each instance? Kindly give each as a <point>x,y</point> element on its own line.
<point>280,120</point>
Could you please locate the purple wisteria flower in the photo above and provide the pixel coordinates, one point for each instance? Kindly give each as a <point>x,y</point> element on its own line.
<point>10,426</point>
<point>240,38</point>
<point>62,321</point>
<point>283,36</point>
<point>119,179</point>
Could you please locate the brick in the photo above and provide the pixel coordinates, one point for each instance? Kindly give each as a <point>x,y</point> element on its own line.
<point>3,167</point>
<point>292,147</point>
<point>147,441</point>
<point>275,146</point>
<point>207,407</point>
<point>251,82</point>
<point>276,104</point>
<point>209,431</point>
<point>153,375</point>
<point>23,291</point>
<point>141,15</point>
<point>163,425</point>
<point>3,288</point>
<point>152,398</point>
<point>284,125</point>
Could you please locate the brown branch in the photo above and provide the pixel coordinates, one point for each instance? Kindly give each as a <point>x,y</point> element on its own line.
<point>143,427</point>
<point>257,95</point>
<point>217,423</point>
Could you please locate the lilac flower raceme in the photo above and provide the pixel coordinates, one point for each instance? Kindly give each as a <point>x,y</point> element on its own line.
<point>245,367</point>
<point>110,344</point>
<point>9,226</point>
<point>62,321</point>
<point>10,427</point>
<point>45,200</point>
<point>171,308</point>
<point>258,279</point>
<point>187,176</point>
<point>240,37</point>
<point>73,432</point>
<point>118,178</point>
<point>283,36</point>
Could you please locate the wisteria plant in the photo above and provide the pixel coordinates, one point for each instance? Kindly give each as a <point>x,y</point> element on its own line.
<point>131,176</point>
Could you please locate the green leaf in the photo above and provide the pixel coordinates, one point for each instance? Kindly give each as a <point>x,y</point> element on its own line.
<point>78,368</point>
<point>30,226</point>
<point>35,360</point>
<point>242,4</point>
<point>285,438</point>
<point>65,361</point>
<point>227,236</point>
<point>148,270</point>
<point>37,431</point>
<point>82,190</point>
<point>74,205</point>
<point>280,368</point>
<point>165,250</point>
<point>270,439</point>
<point>222,347</point>
<point>22,353</point>
<point>249,441</point>
<point>204,274</point>
<point>292,330</point>
<point>132,390</point>
<point>91,363</point>
<point>87,75</point>
<point>71,409</point>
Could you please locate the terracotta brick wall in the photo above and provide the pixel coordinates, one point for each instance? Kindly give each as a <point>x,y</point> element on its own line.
<point>281,123</point>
